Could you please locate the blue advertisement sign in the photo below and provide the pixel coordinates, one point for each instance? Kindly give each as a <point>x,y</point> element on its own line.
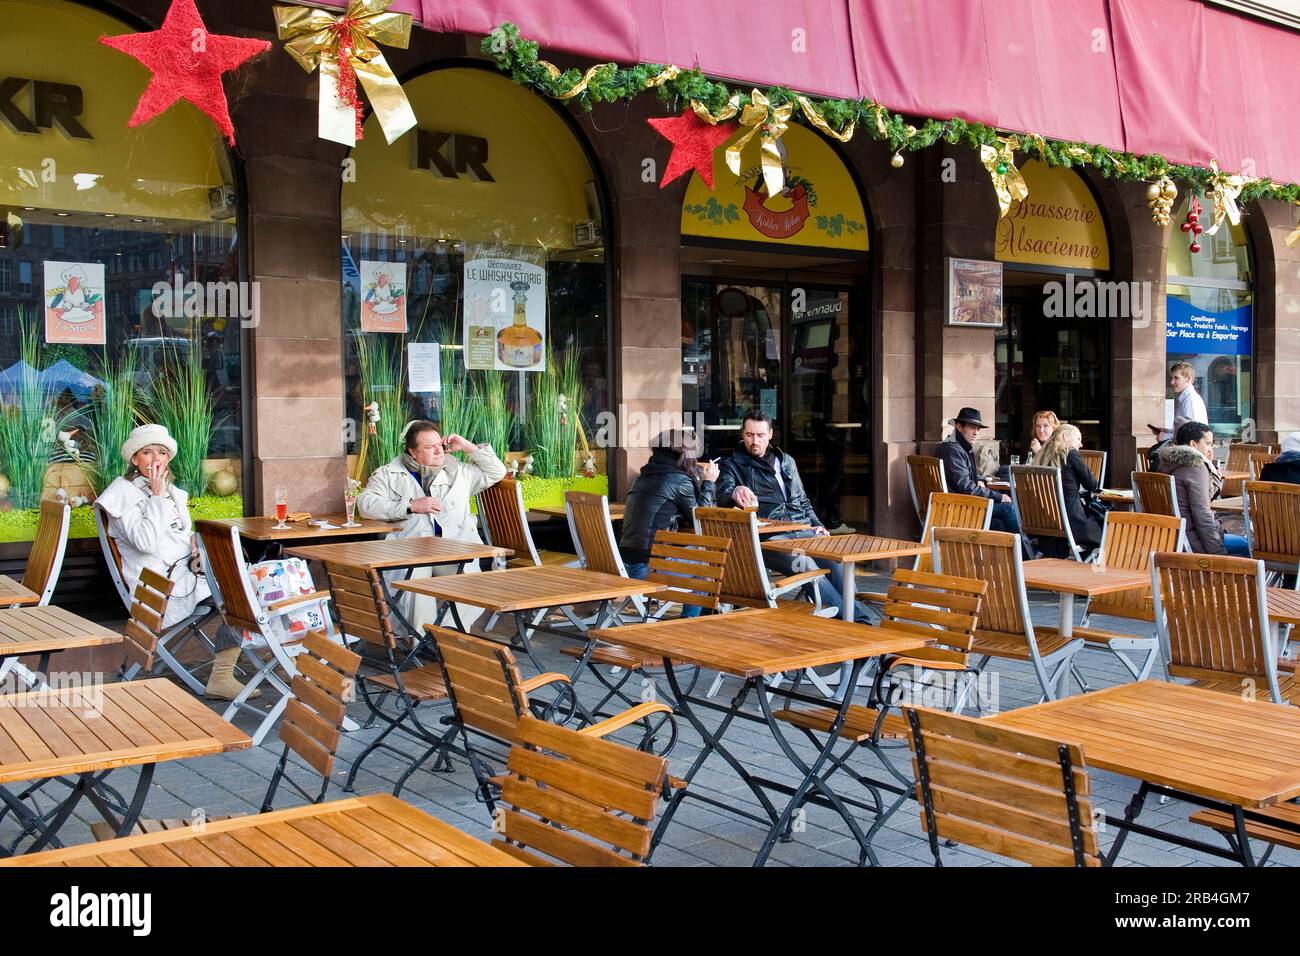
<point>1200,331</point>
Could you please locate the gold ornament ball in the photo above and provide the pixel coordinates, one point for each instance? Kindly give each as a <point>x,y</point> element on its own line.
<point>897,161</point>
<point>223,483</point>
<point>1153,192</point>
<point>1169,189</point>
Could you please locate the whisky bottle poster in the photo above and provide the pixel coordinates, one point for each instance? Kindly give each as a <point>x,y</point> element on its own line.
<point>383,296</point>
<point>505,308</point>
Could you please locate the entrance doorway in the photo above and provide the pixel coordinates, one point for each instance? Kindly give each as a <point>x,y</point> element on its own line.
<point>794,343</point>
<point>1060,364</point>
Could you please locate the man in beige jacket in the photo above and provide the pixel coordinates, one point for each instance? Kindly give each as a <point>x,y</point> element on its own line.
<point>429,491</point>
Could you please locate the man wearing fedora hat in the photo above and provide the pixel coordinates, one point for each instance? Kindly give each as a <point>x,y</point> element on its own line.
<point>958,457</point>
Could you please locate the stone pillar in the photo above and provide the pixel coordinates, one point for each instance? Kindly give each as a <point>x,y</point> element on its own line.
<point>1277,318</point>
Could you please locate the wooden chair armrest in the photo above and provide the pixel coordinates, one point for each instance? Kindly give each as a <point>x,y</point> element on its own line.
<point>278,607</point>
<point>629,716</point>
<point>797,580</point>
<point>541,680</point>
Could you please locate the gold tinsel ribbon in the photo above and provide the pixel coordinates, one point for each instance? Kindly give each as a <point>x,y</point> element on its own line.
<point>819,122</point>
<point>317,38</point>
<point>1223,192</point>
<point>759,117</point>
<point>1007,181</point>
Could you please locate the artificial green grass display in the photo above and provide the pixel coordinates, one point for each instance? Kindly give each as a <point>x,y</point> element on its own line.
<point>21,525</point>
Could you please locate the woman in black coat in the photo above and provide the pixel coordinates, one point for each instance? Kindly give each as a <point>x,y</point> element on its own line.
<point>1077,482</point>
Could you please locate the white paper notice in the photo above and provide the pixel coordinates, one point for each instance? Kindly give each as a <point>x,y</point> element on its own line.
<point>423,369</point>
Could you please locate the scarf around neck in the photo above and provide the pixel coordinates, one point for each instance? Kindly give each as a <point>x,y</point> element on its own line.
<point>427,474</point>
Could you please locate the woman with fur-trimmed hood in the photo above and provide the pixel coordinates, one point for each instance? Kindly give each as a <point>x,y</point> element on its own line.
<point>1197,482</point>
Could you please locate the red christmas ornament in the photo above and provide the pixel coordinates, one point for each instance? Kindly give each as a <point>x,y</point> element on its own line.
<point>694,142</point>
<point>187,62</point>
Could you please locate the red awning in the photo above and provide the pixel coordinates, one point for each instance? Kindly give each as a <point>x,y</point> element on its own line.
<point>1166,76</point>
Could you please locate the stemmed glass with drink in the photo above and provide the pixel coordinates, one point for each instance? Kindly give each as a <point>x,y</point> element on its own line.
<point>350,503</point>
<point>281,508</point>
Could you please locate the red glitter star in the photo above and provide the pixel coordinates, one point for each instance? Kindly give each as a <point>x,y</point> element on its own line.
<point>694,142</point>
<point>187,62</point>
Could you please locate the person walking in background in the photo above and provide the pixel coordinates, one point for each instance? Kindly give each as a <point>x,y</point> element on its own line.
<point>1188,404</point>
<point>1061,450</point>
<point>1197,482</point>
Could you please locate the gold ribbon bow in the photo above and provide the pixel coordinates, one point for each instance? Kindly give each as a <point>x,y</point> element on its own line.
<point>1007,182</point>
<point>317,38</point>
<point>819,122</point>
<point>757,116</point>
<point>1223,192</point>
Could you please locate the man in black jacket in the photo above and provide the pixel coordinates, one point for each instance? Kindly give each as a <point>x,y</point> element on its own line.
<point>758,474</point>
<point>958,457</point>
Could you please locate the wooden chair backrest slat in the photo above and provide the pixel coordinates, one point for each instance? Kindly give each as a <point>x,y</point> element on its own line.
<point>944,608</point>
<point>112,555</point>
<point>313,719</point>
<point>924,477</point>
<point>994,557</point>
<point>1127,541</point>
<point>744,577</point>
<point>505,520</point>
<point>1096,462</point>
<point>693,565</point>
<point>950,510</point>
<point>45,561</point>
<point>593,532</point>
<point>358,598</point>
<point>1213,617</point>
<point>1239,454</point>
<point>1258,460</point>
<point>1153,493</point>
<point>563,779</point>
<point>1038,498</point>
<point>144,625</point>
<point>1273,512</point>
<point>1140,464</point>
<point>1002,790</point>
<point>224,557</point>
<point>483,682</point>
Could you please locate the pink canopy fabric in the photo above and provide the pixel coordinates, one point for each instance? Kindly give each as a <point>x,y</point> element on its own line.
<point>1169,76</point>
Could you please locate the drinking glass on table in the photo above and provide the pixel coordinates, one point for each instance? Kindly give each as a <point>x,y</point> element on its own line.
<point>281,508</point>
<point>350,504</point>
<point>1015,460</point>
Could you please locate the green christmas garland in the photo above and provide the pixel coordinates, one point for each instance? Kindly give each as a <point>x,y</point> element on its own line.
<point>611,83</point>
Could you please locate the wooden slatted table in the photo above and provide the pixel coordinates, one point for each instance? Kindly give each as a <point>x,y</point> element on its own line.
<point>91,730</point>
<point>754,645</point>
<point>523,592</point>
<point>378,830</point>
<point>1283,606</point>
<point>846,550</point>
<point>616,511</point>
<point>399,553</point>
<point>13,594</point>
<point>1122,497</point>
<point>1205,747</point>
<point>1071,579</point>
<point>1232,506</point>
<point>257,528</point>
<point>46,630</point>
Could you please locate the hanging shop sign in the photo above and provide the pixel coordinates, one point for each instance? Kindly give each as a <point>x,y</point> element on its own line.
<point>452,155</point>
<point>818,206</point>
<point>1205,332</point>
<point>383,296</point>
<point>505,308</point>
<point>1060,224</point>
<point>74,303</point>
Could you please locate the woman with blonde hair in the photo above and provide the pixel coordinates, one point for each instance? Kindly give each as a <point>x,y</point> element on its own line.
<point>1041,429</point>
<point>1061,450</point>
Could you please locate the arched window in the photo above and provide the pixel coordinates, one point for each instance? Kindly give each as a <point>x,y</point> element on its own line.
<point>119,257</point>
<point>1209,318</point>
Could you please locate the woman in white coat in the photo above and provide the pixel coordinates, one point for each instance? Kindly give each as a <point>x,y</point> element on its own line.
<point>430,492</point>
<point>149,519</point>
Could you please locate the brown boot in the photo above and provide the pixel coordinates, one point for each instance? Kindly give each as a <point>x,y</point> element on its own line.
<point>221,683</point>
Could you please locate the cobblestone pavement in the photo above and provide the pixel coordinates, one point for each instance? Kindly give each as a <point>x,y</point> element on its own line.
<point>700,835</point>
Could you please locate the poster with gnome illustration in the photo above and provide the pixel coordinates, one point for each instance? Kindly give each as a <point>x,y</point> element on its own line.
<point>383,296</point>
<point>74,303</point>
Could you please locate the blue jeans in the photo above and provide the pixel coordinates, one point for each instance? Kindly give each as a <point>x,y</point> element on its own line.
<point>1237,545</point>
<point>639,571</point>
<point>1004,518</point>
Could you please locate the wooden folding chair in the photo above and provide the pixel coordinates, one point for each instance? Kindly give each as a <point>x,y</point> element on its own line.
<point>691,566</point>
<point>593,538</point>
<point>933,606</point>
<point>1005,630</point>
<point>1212,614</point>
<point>233,594</point>
<point>1016,794</point>
<point>578,800</point>
<point>1039,500</point>
<point>745,582</point>
<point>489,698</point>
<point>504,521</point>
<point>397,668</point>
<point>1239,460</point>
<point>1272,511</point>
<point>946,510</point>
<point>1153,493</point>
<point>1258,460</point>
<point>1096,462</point>
<point>312,725</point>
<point>1140,463</point>
<point>172,639</point>
<point>1127,541</point>
<point>41,575</point>
<point>925,477</point>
